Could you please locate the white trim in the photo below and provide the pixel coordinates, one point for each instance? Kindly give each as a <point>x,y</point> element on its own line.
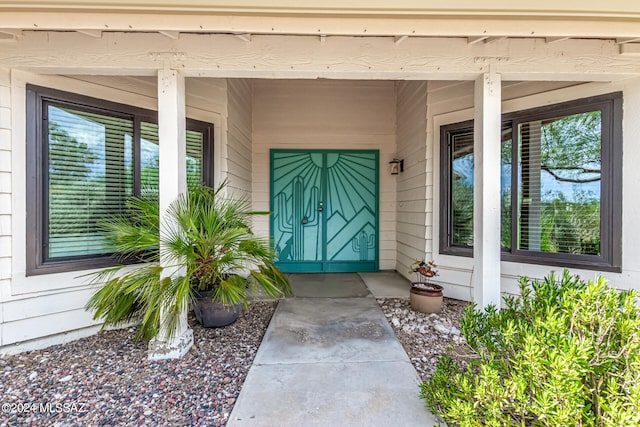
<point>445,262</point>
<point>486,190</point>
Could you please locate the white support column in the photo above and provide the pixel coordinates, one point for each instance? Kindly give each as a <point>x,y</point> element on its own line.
<point>486,193</point>
<point>173,182</point>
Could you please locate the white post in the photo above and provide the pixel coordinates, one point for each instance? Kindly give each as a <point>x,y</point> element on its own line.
<point>486,190</point>
<point>173,182</point>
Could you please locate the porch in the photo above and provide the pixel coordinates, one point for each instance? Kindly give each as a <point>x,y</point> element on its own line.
<point>390,92</point>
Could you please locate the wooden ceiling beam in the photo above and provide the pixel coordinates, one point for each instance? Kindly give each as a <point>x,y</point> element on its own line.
<point>244,37</point>
<point>475,40</point>
<point>174,35</point>
<point>91,33</point>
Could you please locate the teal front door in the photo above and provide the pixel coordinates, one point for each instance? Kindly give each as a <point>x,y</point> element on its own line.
<point>324,206</point>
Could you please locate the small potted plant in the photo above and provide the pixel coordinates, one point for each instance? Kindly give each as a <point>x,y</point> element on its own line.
<point>425,297</point>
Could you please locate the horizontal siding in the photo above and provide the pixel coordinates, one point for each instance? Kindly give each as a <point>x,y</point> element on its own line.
<point>513,90</point>
<point>41,308</point>
<point>5,193</point>
<point>207,94</point>
<point>326,108</point>
<point>46,325</point>
<point>445,97</point>
<point>326,114</point>
<point>411,194</point>
<point>44,305</point>
<point>239,136</point>
<point>146,86</point>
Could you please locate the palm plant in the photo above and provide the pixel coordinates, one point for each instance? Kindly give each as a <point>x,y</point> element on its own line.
<point>207,246</point>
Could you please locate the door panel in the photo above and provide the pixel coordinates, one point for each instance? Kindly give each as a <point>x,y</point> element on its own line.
<point>351,207</point>
<point>296,188</point>
<point>325,209</point>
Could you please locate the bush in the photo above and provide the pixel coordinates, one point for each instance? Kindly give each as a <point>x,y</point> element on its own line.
<point>563,353</point>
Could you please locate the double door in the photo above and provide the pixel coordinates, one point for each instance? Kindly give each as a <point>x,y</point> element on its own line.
<point>324,206</point>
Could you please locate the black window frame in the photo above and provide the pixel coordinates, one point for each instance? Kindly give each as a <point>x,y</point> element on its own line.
<point>37,97</point>
<point>610,258</point>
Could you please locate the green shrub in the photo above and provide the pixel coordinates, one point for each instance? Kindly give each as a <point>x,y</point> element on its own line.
<point>563,353</point>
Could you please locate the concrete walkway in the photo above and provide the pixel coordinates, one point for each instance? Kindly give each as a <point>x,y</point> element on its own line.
<point>330,358</point>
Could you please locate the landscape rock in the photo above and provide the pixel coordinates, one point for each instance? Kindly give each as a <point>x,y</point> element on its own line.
<point>439,327</point>
<point>425,337</point>
<point>106,379</point>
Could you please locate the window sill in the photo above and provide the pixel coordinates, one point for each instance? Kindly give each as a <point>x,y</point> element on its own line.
<point>66,266</point>
<point>585,262</point>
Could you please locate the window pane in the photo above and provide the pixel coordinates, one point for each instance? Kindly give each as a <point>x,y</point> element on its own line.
<point>462,188</point>
<point>149,157</point>
<point>505,186</point>
<point>90,177</point>
<point>195,140</point>
<point>559,181</point>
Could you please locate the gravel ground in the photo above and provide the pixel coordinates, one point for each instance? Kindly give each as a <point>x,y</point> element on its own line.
<point>106,380</point>
<point>425,337</point>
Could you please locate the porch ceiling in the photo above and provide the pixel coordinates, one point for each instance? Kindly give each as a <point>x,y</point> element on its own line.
<point>371,39</point>
<point>335,57</point>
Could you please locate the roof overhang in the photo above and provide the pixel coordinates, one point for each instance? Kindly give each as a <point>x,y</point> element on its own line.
<point>555,39</point>
<point>614,19</point>
<point>381,8</point>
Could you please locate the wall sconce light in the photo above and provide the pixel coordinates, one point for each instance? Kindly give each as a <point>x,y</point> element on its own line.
<point>397,166</point>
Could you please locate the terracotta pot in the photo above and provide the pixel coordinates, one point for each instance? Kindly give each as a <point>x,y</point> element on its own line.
<point>426,297</point>
<point>212,314</point>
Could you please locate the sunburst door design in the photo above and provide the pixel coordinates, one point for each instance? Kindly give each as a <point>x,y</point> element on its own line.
<point>325,210</point>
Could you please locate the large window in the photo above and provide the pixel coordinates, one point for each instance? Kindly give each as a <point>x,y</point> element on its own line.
<point>85,157</point>
<point>560,185</point>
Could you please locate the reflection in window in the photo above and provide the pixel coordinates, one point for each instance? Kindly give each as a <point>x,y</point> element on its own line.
<point>85,158</point>
<point>195,141</point>
<point>89,178</point>
<point>149,157</point>
<point>560,185</point>
<point>461,193</point>
<point>559,182</point>
<point>462,188</point>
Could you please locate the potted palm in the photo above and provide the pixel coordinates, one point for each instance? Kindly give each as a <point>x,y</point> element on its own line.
<point>207,249</point>
<point>425,297</point>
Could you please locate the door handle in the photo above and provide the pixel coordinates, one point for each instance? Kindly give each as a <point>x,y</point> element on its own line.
<point>305,220</point>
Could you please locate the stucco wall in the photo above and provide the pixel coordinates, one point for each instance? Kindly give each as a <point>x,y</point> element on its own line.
<point>451,102</point>
<point>326,114</point>
<point>34,309</point>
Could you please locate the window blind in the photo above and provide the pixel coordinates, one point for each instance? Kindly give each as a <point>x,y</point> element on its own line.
<point>461,176</point>
<point>559,176</point>
<point>90,175</point>
<point>149,156</point>
<point>195,141</point>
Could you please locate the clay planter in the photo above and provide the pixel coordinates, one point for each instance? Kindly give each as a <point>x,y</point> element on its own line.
<point>426,297</point>
<point>211,314</point>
